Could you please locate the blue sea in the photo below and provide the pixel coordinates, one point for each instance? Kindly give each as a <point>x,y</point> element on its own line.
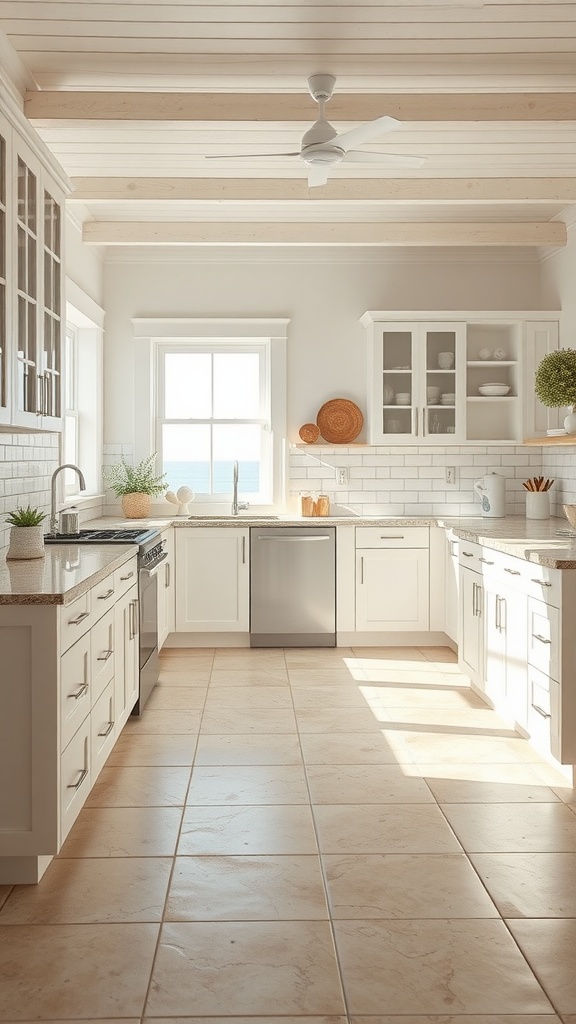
<point>197,476</point>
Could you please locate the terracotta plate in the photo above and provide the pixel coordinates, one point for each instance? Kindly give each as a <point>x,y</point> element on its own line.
<point>340,421</point>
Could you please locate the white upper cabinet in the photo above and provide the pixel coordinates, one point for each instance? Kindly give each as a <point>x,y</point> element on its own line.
<point>31,287</point>
<point>455,378</point>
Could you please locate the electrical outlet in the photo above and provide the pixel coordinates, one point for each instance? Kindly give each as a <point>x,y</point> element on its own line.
<point>342,477</point>
<point>451,475</point>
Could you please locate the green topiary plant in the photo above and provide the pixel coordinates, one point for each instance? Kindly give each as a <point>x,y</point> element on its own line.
<point>25,517</point>
<point>140,479</point>
<point>555,380</point>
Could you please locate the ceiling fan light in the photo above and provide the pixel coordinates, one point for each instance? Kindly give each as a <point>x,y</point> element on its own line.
<point>325,155</point>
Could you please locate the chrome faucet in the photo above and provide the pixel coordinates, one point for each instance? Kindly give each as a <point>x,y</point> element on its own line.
<point>237,506</point>
<point>53,512</point>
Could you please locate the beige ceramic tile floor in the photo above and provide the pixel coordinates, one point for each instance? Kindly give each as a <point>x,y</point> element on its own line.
<point>306,837</point>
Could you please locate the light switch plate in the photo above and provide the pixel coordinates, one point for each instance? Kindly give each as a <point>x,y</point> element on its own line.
<point>451,475</point>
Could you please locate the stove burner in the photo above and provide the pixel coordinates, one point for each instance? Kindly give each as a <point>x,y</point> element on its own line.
<point>114,536</point>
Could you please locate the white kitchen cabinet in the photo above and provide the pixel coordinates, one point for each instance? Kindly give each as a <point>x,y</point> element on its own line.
<point>392,579</point>
<point>404,359</point>
<point>126,617</point>
<point>470,646</point>
<point>166,590</point>
<point>505,648</point>
<point>58,714</point>
<point>451,586</point>
<point>212,580</point>
<point>5,273</point>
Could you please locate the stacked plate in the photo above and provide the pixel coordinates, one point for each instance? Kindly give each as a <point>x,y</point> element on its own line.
<point>494,390</point>
<point>447,399</point>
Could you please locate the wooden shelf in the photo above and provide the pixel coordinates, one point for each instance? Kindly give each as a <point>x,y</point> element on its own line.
<point>556,439</point>
<point>319,445</point>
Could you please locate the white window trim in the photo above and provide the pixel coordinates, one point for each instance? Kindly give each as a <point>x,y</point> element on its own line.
<point>150,333</point>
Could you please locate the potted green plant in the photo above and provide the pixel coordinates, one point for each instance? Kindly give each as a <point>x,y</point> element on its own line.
<point>136,485</point>
<point>27,533</point>
<point>555,383</point>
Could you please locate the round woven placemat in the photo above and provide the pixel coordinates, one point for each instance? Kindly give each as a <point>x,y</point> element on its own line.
<point>309,433</point>
<point>340,421</point>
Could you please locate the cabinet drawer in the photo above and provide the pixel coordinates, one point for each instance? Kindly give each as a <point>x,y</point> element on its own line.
<point>544,638</point>
<point>75,694</point>
<point>543,583</point>
<point>102,720</point>
<point>102,654</point>
<point>469,555</point>
<point>125,577</point>
<point>75,779</point>
<point>543,723</point>
<point>75,620</point>
<point>103,596</point>
<point>392,537</point>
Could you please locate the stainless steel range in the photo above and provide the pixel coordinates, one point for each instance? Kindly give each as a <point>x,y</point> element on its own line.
<point>151,554</point>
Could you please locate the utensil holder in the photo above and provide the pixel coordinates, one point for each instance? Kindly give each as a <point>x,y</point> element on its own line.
<point>537,505</point>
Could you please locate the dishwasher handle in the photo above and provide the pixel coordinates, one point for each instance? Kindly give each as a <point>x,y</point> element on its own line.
<point>298,540</point>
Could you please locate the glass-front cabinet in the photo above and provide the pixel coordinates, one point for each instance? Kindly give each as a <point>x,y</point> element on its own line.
<point>31,287</point>
<point>456,378</point>
<point>418,383</point>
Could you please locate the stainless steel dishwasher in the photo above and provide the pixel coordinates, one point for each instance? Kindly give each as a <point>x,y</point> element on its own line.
<point>293,586</point>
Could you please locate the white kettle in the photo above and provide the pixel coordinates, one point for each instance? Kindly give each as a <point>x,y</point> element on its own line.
<point>492,491</point>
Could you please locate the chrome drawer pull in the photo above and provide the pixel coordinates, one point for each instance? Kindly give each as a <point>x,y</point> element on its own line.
<point>487,562</point>
<point>128,577</point>
<point>541,712</point>
<point>513,572</point>
<point>104,597</point>
<point>105,656</point>
<point>392,536</point>
<point>543,583</point>
<point>78,619</point>
<point>79,693</point>
<point>468,554</point>
<point>167,579</point>
<point>542,639</point>
<point>108,730</point>
<point>76,785</point>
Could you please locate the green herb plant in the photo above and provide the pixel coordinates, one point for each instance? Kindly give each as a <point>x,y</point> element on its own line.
<point>25,517</point>
<point>555,380</point>
<point>140,479</point>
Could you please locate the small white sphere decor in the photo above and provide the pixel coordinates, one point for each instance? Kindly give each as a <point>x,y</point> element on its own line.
<point>499,354</point>
<point>484,353</point>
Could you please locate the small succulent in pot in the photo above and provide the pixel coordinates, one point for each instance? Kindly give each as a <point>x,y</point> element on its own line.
<point>27,533</point>
<point>25,517</point>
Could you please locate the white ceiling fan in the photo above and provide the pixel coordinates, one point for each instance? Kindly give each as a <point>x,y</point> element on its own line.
<point>322,147</point>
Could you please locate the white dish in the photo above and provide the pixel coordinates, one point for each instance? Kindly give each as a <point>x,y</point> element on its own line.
<point>494,390</point>
<point>448,399</point>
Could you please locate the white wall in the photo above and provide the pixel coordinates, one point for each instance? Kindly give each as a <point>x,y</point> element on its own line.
<point>84,266</point>
<point>324,292</point>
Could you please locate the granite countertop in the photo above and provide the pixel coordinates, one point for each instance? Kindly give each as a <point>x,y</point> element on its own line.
<point>66,572</point>
<point>543,541</point>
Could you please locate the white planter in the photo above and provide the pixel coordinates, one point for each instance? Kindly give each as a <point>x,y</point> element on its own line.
<point>26,542</point>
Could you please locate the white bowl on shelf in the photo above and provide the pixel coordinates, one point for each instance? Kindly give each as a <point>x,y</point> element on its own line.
<point>494,390</point>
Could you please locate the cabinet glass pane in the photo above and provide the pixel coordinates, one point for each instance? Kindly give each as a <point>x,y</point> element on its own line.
<point>3,331</point>
<point>397,382</point>
<point>440,410</point>
<point>3,393</point>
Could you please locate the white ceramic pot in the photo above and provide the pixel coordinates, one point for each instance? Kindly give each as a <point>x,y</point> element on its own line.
<point>570,423</point>
<point>537,505</point>
<point>26,542</point>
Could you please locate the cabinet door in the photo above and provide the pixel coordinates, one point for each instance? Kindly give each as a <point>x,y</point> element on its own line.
<point>166,594</point>
<point>126,660</point>
<point>440,416</point>
<point>212,580</point>
<point>451,589</point>
<point>471,605</point>
<point>5,272</point>
<point>540,338</point>
<point>494,636</point>
<point>392,587</point>
<point>39,281</point>
<point>514,613</point>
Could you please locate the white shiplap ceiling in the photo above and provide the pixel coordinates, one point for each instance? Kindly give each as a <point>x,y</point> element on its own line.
<point>132,97</point>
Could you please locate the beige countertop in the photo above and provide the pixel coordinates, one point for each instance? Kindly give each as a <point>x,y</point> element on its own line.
<point>68,570</point>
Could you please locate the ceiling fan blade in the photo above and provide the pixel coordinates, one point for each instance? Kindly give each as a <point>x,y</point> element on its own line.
<point>246,156</point>
<point>366,132</point>
<point>390,159</point>
<point>317,174</point>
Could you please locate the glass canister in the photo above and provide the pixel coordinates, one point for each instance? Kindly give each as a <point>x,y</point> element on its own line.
<point>323,505</point>
<point>306,503</point>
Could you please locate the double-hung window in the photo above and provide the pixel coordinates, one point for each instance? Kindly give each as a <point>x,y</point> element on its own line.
<point>214,409</point>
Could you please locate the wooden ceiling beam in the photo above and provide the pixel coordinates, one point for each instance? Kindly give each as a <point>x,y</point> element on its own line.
<point>413,190</point>
<point>45,109</point>
<point>291,233</point>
